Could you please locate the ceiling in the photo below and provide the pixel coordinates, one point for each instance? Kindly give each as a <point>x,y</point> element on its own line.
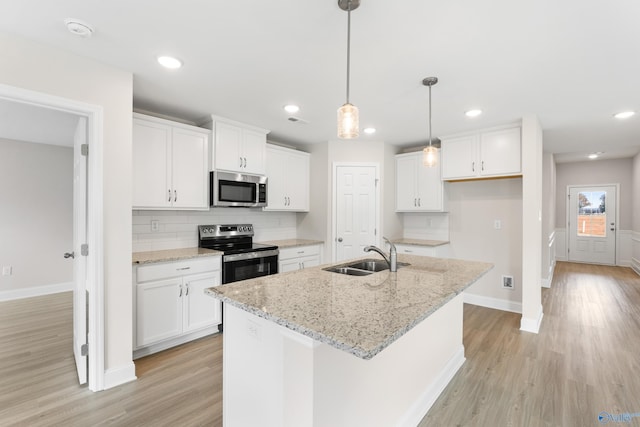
<point>572,63</point>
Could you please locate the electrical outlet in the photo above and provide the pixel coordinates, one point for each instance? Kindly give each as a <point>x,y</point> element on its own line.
<point>155,225</point>
<point>497,224</point>
<point>507,282</point>
<point>6,270</point>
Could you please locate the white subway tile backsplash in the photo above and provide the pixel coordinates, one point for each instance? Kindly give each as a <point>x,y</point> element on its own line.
<point>179,229</point>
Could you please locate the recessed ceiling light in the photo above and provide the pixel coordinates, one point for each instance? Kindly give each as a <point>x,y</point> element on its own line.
<point>291,108</point>
<point>78,27</point>
<point>473,113</point>
<point>624,114</point>
<point>169,62</point>
<point>369,131</point>
<point>593,156</point>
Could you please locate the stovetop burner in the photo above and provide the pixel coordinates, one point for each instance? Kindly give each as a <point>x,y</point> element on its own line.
<point>230,239</point>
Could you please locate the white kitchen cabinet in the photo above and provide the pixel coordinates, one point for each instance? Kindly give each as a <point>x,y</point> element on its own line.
<point>298,257</point>
<point>171,307</point>
<point>170,165</point>
<point>238,148</point>
<point>418,188</point>
<point>288,173</point>
<point>487,154</point>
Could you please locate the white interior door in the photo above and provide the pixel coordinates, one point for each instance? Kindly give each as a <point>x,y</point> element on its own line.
<point>80,260</point>
<point>355,210</point>
<point>592,224</point>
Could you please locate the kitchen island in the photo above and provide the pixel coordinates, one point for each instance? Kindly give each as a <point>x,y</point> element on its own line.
<point>318,348</point>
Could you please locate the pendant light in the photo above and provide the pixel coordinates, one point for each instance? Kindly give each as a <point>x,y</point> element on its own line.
<point>348,113</point>
<point>430,153</point>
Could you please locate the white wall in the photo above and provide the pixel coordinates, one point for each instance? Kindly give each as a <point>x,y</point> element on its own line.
<point>36,217</point>
<point>635,244</point>
<point>473,208</point>
<point>548,218</point>
<point>179,229</point>
<point>596,172</point>
<point>426,226</point>
<point>48,70</point>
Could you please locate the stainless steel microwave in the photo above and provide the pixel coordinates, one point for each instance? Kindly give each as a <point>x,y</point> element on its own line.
<point>237,189</point>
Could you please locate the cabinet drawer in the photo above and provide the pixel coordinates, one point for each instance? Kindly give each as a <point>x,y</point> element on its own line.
<point>433,251</point>
<point>177,268</point>
<point>299,251</point>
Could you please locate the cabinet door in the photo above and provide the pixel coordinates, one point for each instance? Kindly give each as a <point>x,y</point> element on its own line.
<point>406,178</point>
<point>190,169</point>
<point>228,143</point>
<point>429,188</point>
<point>151,165</point>
<point>289,265</point>
<point>200,309</point>
<point>312,261</point>
<point>297,182</point>
<point>500,152</point>
<point>277,179</point>
<point>458,157</point>
<point>254,146</point>
<point>158,311</point>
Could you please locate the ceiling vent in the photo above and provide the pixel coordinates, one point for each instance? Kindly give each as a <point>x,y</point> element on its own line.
<point>297,120</point>
<point>79,28</point>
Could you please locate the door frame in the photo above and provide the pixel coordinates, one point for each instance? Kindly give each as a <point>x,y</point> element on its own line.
<point>568,213</point>
<point>334,202</point>
<point>95,222</point>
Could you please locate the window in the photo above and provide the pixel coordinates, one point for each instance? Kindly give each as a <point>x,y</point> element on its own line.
<point>592,215</point>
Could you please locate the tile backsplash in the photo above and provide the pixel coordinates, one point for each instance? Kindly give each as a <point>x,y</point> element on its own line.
<point>179,229</point>
<point>428,226</point>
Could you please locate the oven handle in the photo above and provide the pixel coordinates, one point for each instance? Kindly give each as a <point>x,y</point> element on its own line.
<point>250,255</point>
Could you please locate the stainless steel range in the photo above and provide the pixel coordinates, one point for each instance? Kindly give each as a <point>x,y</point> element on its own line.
<point>242,258</point>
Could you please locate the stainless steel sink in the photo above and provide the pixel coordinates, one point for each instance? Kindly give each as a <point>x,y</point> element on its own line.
<point>362,268</point>
<point>348,271</point>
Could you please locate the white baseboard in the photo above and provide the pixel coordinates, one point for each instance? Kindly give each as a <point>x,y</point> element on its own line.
<point>546,283</point>
<point>35,291</point>
<point>495,303</point>
<point>182,339</point>
<point>116,376</point>
<point>635,265</point>
<point>421,406</point>
<point>532,324</point>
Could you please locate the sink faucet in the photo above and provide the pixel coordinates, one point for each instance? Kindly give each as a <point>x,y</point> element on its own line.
<point>392,259</point>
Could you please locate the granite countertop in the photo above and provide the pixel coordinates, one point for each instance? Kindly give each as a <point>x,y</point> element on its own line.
<point>171,255</point>
<point>292,243</point>
<point>420,242</point>
<point>358,314</point>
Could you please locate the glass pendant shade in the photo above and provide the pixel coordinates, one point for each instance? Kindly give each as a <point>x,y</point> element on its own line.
<point>430,156</point>
<point>348,122</point>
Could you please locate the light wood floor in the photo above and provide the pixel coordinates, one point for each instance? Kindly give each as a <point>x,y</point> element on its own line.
<point>586,359</point>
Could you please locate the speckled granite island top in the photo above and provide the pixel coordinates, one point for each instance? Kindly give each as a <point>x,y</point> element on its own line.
<point>292,243</point>
<point>420,242</point>
<point>358,314</point>
<point>171,255</point>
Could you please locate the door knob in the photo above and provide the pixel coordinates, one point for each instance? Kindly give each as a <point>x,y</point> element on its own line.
<point>339,239</point>
<point>69,255</point>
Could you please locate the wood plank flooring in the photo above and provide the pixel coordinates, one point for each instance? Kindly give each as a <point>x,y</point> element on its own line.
<point>585,360</point>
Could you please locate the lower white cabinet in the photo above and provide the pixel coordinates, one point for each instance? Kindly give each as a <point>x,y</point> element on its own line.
<point>172,310</point>
<point>298,257</point>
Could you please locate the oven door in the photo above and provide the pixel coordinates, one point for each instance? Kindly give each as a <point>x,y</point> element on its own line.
<point>249,265</point>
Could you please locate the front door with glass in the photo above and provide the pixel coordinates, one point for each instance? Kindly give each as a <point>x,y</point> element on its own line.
<point>592,224</point>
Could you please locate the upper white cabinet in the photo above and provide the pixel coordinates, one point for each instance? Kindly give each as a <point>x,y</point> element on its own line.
<point>238,147</point>
<point>418,188</point>
<point>170,165</point>
<point>492,153</point>
<point>288,174</point>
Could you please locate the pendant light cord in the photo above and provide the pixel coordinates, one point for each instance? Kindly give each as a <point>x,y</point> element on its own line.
<point>348,45</point>
<point>429,115</point>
